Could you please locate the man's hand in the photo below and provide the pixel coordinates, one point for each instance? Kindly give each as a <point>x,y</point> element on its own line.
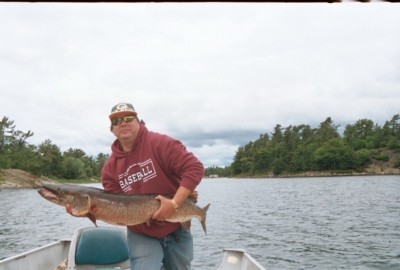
<point>166,209</point>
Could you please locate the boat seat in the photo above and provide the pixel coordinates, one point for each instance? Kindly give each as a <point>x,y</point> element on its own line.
<point>95,248</point>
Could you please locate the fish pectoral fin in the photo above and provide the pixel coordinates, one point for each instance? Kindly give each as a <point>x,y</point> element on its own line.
<point>148,222</point>
<point>92,218</point>
<point>70,210</point>
<point>186,225</point>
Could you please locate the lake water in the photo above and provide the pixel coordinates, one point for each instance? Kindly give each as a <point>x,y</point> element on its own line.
<point>292,223</point>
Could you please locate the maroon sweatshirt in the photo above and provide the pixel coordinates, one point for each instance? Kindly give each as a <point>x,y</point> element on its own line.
<point>157,164</point>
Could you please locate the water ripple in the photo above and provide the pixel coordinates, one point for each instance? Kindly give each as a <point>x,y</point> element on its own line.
<point>303,223</point>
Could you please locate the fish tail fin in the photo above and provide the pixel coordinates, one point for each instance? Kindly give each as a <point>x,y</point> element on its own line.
<point>205,208</point>
<point>203,221</point>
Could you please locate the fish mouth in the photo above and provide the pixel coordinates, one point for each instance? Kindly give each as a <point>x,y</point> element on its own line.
<point>49,193</point>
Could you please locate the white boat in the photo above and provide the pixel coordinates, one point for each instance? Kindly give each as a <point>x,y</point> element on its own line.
<point>101,248</point>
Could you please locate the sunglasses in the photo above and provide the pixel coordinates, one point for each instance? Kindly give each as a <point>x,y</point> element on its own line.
<point>118,121</point>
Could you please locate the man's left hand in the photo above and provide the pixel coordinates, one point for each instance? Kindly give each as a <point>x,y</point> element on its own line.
<point>166,209</point>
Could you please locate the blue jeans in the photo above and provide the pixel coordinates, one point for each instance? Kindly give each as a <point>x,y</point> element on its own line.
<point>174,252</point>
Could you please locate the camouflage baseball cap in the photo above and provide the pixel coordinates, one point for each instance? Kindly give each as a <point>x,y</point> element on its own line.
<point>122,109</point>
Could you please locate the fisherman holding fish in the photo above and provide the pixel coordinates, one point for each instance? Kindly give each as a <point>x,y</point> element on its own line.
<point>146,162</point>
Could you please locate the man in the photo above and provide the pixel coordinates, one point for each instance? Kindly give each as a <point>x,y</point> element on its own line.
<point>145,162</point>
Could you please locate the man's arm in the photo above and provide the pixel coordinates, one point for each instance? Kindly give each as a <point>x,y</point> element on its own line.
<point>169,206</point>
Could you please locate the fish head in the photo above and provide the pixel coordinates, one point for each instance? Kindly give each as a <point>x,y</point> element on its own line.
<point>70,196</point>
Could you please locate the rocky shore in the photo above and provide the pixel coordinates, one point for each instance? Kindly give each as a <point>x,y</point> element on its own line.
<point>13,178</point>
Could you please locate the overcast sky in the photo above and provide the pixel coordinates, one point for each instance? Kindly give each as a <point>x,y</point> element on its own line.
<point>213,75</point>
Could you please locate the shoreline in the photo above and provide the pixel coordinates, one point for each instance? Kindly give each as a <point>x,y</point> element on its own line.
<point>325,174</point>
<point>18,179</point>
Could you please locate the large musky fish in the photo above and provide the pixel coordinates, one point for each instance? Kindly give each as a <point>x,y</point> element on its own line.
<point>117,209</point>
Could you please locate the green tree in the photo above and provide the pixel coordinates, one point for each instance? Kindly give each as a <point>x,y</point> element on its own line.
<point>394,139</point>
<point>18,139</point>
<point>361,158</point>
<point>263,160</point>
<point>242,162</point>
<point>394,125</point>
<point>89,163</point>
<point>100,161</point>
<point>334,155</point>
<point>277,135</point>
<point>74,168</point>
<point>327,131</point>
<point>50,159</point>
<point>359,135</point>
<point>262,154</point>
<point>15,152</point>
<point>75,153</point>
<point>6,132</point>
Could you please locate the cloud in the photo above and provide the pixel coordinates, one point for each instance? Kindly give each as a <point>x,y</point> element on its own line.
<point>214,75</point>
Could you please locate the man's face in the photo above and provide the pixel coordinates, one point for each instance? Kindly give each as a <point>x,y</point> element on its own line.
<point>125,127</point>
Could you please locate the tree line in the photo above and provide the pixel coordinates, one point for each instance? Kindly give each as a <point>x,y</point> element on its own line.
<point>297,149</point>
<point>45,159</point>
<point>287,150</point>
